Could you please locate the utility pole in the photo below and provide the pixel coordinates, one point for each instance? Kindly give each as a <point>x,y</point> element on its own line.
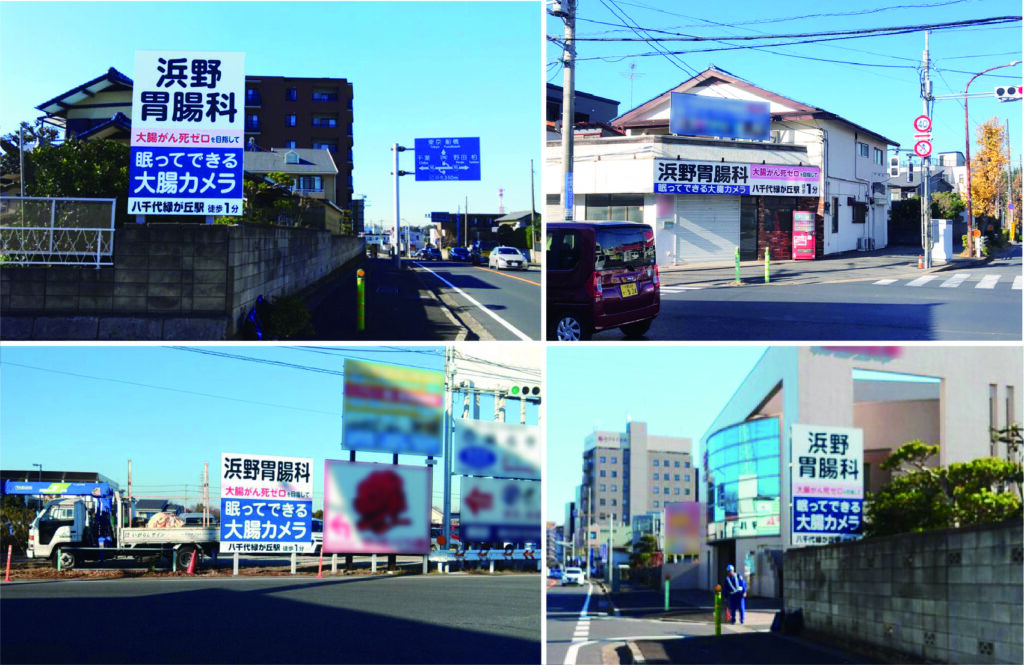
<point>611,545</point>
<point>566,10</point>
<point>926,208</point>
<point>446,512</point>
<point>533,216</point>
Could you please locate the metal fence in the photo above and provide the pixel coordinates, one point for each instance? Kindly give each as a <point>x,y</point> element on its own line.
<point>56,231</point>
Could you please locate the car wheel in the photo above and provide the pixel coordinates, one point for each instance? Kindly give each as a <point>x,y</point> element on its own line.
<point>638,329</point>
<point>570,328</point>
<point>66,558</point>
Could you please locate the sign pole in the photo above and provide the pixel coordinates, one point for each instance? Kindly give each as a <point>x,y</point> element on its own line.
<point>398,220</point>
<point>446,511</point>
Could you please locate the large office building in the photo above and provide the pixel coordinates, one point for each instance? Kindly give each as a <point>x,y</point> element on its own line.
<point>631,473</point>
<point>754,467</point>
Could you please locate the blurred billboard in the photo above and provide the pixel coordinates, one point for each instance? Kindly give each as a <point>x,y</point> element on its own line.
<point>392,409</point>
<point>491,448</point>
<point>376,508</point>
<point>699,115</point>
<point>682,527</point>
<point>500,510</point>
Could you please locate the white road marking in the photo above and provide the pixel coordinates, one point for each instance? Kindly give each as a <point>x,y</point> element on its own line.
<point>921,281</point>
<point>579,637</point>
<point>885,282</point>
<point>515,331</point>
<point>680,289</point>
<point>988,282</point>
<point>1016,282</point>
<point>956,280</point>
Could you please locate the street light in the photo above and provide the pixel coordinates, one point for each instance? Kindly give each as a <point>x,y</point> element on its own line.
<point>967,128</point>
<point>40,471</point>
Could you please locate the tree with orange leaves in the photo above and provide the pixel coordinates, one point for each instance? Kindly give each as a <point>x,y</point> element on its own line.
<point>988,170</point>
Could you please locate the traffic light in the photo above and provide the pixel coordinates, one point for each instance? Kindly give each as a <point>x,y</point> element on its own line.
<point>910,171</point>
<point>524,391</point>
<point>894,166</point>
<point>1008,93</point>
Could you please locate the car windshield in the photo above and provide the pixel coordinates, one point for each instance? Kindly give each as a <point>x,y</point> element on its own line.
<point>508,250</point>
<point>620,247</point>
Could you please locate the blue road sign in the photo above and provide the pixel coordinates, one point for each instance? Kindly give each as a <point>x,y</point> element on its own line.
<point>448,159</point>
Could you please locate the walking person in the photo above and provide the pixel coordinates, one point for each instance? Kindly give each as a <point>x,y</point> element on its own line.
<point>736,588</point>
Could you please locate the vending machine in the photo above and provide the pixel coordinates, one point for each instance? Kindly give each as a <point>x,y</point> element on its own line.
<point>803,235</point>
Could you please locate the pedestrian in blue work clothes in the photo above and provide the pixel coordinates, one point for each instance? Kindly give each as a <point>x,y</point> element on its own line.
<point>736,589</point>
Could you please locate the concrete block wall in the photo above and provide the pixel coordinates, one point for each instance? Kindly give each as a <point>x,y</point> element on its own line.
<point>169,281</point>
<point>947,596</point>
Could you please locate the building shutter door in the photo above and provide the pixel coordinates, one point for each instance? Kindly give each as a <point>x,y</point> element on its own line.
<point>707,228</point>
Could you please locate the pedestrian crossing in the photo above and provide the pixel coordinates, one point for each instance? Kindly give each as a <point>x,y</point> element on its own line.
<point>985,281</point>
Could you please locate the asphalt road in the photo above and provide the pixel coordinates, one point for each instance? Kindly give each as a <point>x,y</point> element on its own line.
<point>404,619</point>
<point>503,305</point>
<point>981,303</point>
<point>577,637</point>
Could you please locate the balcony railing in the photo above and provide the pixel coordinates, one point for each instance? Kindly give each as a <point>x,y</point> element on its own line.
<point>325,96</point>
<point>325,122</point>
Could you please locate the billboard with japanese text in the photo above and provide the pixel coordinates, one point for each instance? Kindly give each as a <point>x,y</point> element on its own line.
<point>500,510</point>
<point>187,137</point>
<point>392,409</point>
<point>266,503</point>
<point>827,484</point>
<point>491,448</point>
<point>683,533</point>
<point>686,176</point>
<point>376,508</point>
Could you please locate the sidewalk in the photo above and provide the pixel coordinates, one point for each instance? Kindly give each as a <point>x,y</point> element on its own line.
<point>398,307</point>
<point>890,262</point>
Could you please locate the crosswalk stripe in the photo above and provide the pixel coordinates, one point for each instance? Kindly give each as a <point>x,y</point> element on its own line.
<point>885,282</point>
<point>679,289</point>
<point>921,281</point>
<point>1016,282</point>
<point>988,282</point>
<point>956,280</point>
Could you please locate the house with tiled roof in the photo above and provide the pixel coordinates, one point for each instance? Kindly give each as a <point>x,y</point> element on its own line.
<point>707,195</point>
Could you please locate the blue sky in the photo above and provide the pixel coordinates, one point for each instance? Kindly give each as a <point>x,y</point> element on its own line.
<point>418,69</point>
<point>91,408</point>
<point>677,390</point>
<point>883,99</point>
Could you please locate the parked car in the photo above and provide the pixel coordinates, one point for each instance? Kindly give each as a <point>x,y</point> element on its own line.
<point>555,573</point>
<point>573,576</point>
<point>506,257</point>
<point>196,519</point>
<point>430,254</point>
<point>600,275</point>
<point>458,254</point>
<point>475,257</point>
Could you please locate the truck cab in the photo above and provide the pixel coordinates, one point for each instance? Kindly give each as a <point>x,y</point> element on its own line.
<point>61,522</point>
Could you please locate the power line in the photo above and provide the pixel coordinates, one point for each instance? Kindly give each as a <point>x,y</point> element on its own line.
<point>173,390</point>
<point>635,28</point>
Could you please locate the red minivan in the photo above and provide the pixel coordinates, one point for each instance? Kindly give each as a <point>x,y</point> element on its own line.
<point>600,275</point>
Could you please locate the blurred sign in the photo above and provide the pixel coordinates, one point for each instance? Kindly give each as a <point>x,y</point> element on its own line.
<point>392,409</point>
<point>698,115</point>
<point>266,503</point>
<point>448,159</point>
<point>499,510</point>
<point>682,527</point>
<point>188,112</point>
<point>376,508</point>
<point>827,485</point>
<point>502,450</point>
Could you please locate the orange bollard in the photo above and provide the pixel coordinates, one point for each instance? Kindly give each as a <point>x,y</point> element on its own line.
<point>10,549</point>
<point>920,262</point>
<point>192,564</point>
<point>320,570</point>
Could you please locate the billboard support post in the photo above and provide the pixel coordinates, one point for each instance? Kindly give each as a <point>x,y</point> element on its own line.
<point>293,563</point>
<point>334,564</point>
<point>235,566</point>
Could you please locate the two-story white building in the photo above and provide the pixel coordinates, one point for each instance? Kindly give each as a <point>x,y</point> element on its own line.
<point>708,196</point>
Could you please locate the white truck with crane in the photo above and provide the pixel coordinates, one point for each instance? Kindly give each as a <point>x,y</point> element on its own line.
<point>95,521</point>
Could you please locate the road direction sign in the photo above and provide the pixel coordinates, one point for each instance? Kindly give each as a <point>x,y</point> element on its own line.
<point>448,159</point>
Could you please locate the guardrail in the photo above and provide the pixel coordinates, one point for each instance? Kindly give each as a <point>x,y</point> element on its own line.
<point>56,231</point>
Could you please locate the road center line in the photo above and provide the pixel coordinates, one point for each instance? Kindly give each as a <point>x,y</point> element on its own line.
<point>465,295</point>
<point>498,272</point>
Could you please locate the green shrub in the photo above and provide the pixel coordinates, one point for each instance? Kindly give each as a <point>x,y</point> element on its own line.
<point>289,317</point>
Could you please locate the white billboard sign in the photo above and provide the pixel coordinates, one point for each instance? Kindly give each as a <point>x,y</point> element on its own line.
<point>376,508</point>
<point>502,450</point>
<point>827,483</point>
<point>187,137</point>
<point>266,503</point>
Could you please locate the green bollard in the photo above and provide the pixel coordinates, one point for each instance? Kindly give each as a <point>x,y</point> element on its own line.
<point>360,300</point>
<point>58,561</point>
<point>767,262</point>
<point>738,280</point>
<point>174,561</point>
<point>718,609</point>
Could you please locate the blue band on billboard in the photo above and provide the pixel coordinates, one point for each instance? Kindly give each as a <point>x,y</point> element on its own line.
<point>265,521</point>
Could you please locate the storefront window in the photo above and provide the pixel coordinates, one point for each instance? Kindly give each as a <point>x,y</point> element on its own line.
<point>615,207</point>
<point>743,480</point>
